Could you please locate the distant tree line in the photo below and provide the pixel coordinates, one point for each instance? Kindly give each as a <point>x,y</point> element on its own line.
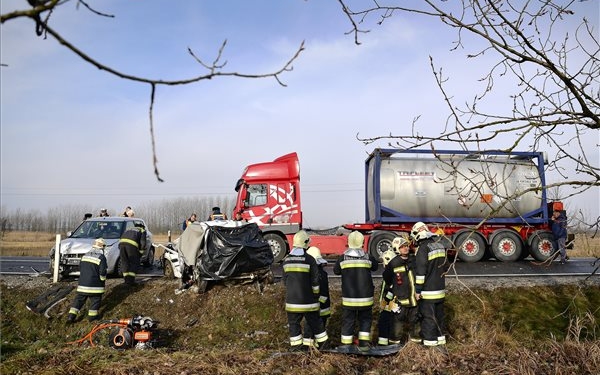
<point>160,216</point>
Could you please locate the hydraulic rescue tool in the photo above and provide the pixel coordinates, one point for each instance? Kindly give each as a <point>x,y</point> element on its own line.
<point>139,332</point>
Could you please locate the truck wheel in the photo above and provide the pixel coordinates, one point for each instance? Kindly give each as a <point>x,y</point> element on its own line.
<point>379,243</point>
<point>470,247</point>
<point>507,246</point>
<point>278,246</point>
<point>542,246</point>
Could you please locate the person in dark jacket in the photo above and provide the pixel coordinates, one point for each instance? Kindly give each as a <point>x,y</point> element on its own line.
<point>131,247</point>
<point>386,304</point>
<point>324,300</point>
<point>430,284</point>
<point>216,214</point>
<point>92,276</point>
<point>187,222</point>
<point>355,267</point>
<point>399,275</point>
<point>302,291</point>
<point>559,231</point>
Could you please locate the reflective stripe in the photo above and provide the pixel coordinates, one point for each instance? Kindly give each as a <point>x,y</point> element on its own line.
<point>296,267</point>
<point>90,259</point>
<point>131,242</point>
<point>433,294</point>
<point>90,289</point>
<point>93,313</point>
<point>325,312</point>
<point>357,302</point>
<point>364,335</point>
<point>346,340</point>
<point>322,299</point>
<point>355,263</point>
<point>296,340</point>
<point>441,340</point>
<point>430,343</point>
<point>316,289</point>
<point>74,311</point>
<point>420,279</point>
<point>400,269</point>
<point>295,307</point>
<point>440,253</point>
<point>129,274</point>
<point>383,341</point>
<point>321,337</point>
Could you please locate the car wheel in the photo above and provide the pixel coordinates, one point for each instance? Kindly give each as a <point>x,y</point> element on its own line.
<point>149,259</point>
<point>168,269</point>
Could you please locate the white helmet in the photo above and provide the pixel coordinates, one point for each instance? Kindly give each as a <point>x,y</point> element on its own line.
<point>387,256</point>
<point>315,252</point>
<point>99,243</point>
<point>356,240</point>
<point>398,242</point>
<point>419,231</point>
<point>301,239</point>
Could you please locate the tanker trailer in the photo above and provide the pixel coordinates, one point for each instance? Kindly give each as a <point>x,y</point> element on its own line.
<point>486,200</point>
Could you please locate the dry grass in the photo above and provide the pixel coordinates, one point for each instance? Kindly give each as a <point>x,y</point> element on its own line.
<point>239,330</point>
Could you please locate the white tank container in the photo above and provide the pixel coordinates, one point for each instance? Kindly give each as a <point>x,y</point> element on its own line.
<point>456,186</point>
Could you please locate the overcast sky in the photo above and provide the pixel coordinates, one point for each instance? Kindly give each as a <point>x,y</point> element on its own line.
<point>73,134</point>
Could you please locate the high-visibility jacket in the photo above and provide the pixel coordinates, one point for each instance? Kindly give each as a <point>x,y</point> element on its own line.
<point>301,279</point>
<point>431,266</point>
<point>399,280</point>
<point>92,272</point>
<point>355,267</point>
<point>135,236</point>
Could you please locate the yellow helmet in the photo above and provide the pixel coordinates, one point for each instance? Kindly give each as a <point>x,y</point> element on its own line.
<point>315,252</point>
<point>301,239</point>
<point>356,240</point>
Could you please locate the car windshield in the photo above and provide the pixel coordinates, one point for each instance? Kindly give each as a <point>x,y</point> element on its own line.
<point>96,229</point>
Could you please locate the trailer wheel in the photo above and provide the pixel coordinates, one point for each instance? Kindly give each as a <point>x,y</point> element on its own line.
<point>470,247</point>
<point>379,243</point>
<point>507,246</point>
<point>278,246</point>
<point>542,246</point>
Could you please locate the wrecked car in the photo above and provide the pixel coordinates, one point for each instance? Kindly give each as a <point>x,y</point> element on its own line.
<point>216,251</point>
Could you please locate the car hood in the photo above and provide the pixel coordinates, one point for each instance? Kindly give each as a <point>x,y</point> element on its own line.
<point>80,245</point>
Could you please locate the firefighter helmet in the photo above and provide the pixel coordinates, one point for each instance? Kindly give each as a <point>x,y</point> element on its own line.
<point>301,239</point>
<point>315,252</point>
<point>399,242</point>
<point>355,240</point>
<point>99,243</point>
<point>387,256</point>
<point>419,231</point>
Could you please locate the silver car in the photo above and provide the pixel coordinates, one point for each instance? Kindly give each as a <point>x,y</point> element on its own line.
<point>81,239</point>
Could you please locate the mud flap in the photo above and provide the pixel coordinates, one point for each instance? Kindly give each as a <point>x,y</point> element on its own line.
<point>374,351</point>
<point>49,299</point>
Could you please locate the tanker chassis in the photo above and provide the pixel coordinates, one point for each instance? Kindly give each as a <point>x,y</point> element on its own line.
<point>483,204</point>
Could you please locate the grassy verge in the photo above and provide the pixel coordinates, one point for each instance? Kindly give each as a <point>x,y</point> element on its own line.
<point>238,329</point>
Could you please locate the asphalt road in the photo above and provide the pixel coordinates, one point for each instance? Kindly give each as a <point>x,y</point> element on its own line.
<point>489,268</point>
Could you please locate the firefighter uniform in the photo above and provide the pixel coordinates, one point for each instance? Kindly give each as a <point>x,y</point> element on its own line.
<point>355,267</point>
<point>92,276</point>
<point>324,300</point>
<point>431,286</point>
<point>398,275</point>
<point>131,247</point>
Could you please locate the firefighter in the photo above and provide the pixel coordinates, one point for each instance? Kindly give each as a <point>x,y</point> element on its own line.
<point>355,267</point>
<point>399,276</point>
<point>324,301</point>
<point>216,214</point>
<point>301,280</point>
<point>430,284</point>
<point>92,276</point>
<point>131,247</point>
<point>385,313</point>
